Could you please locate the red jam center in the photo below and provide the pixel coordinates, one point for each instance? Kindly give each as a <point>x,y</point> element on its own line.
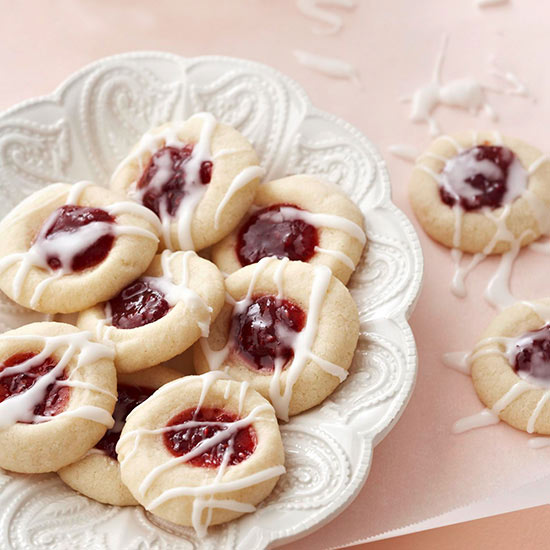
<point>69,219</point>
<point>137,305</point>
<point>55,398</point>
<point>129,397</point>
<point>532,353</point>
<point>166,178</point>
<point>269,233</point>
<point>264,332</point>
<point>477,177</point>
<point>180,442</point>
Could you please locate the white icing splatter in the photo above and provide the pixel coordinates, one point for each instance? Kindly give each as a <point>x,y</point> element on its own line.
<point>333,22</point>
<point>329,66</point>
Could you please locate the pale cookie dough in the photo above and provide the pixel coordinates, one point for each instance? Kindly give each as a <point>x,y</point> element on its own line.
<point>50,444</point>
<point>186,493</point>
<point>193,289</point>
<point>207,212</point>
<point>322,350</point>
<point>97,475</point>
<point>25,275</point>
<point>493,374</point>
<point>339,224</point>
<point>479,231</point>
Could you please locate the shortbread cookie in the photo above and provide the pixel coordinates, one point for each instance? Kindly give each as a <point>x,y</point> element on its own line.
<point>290,331</point>
<point>300,218</point>
<point>198,176</point>
<point>201,451</point>
<point>162,313</point>
<point>57,393</point>
<point>481,192</point>
<point>68,247</point>
<point>97,475</point>
<point>510,366</point>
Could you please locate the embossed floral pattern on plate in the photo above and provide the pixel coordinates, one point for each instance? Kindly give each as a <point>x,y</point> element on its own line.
<point>81,131</point>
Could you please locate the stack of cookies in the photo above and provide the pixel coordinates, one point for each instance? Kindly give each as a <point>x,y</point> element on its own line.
<point>262,313</point>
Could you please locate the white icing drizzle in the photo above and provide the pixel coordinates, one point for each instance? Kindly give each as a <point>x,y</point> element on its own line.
<point>329,66</point>
<point>539,442</point>
<point>344,258</point>
<point>465,93</point>
<point>205,494</point>
<point>505,347</point>
<point>280,392</point>
<point>66,245</point>
<point>313,10</point>
<point>20,407</point>
<point>331,221</point>
<point>239,181</point>
<point>405,152</point>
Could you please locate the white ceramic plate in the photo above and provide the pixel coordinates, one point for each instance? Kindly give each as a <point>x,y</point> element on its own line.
<point>81,131</point>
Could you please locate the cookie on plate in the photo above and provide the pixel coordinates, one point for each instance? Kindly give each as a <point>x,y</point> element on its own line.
<point>201,451</point>
<point>510,366</point>
<point>161,314</point>
<point>199,176</point>
<point>301,218</point>
<point>97,474</point>
<point>289,329</point>
<point>481,192</point>
<point>68,247</point>
<point>57,394</point>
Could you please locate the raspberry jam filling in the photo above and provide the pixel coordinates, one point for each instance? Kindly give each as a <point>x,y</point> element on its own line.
<point>129,397</point>
<point>138,304</point>
<point>485,175</point>
<point>264,332</point>
<point>166,179</point>
<point>182,441</point>
<point>532,354</point>
<point>269,232</point>
<point>88,250</point>
<point>55,398</point>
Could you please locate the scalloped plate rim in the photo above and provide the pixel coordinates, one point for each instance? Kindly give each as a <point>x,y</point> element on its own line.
<point>400,315</point>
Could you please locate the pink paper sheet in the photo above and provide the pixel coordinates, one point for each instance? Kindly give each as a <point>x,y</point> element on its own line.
<point>420,469</point>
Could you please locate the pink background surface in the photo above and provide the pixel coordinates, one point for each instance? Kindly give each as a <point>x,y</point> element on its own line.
<point>420,469</point>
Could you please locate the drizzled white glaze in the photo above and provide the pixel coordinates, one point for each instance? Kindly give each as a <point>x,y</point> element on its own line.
<point>205,494</point>
<point>331,221</point>
<point>405,152</point>
<point>329,66</point>
<point>506,347</point>
<point>239,181</point>
<point>20,407</point>
<point>313,9</point>
<point>465,93</point>
<point>280,391</point>
<point>173,293</point>
<point>498,291</point>
<point>150,143</point>
<point>67,245</point>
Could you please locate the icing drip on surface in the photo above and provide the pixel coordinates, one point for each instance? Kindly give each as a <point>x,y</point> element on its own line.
<point>66,247</point>
<point>405,152</point>
<point>329,66</point>
<point>333,23</point>
<point>528,355</point>
<point>280,391</point>
<point>206,496</point>
<point>465,93</point>
<point>487,3</point>
<point>21,407</point>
